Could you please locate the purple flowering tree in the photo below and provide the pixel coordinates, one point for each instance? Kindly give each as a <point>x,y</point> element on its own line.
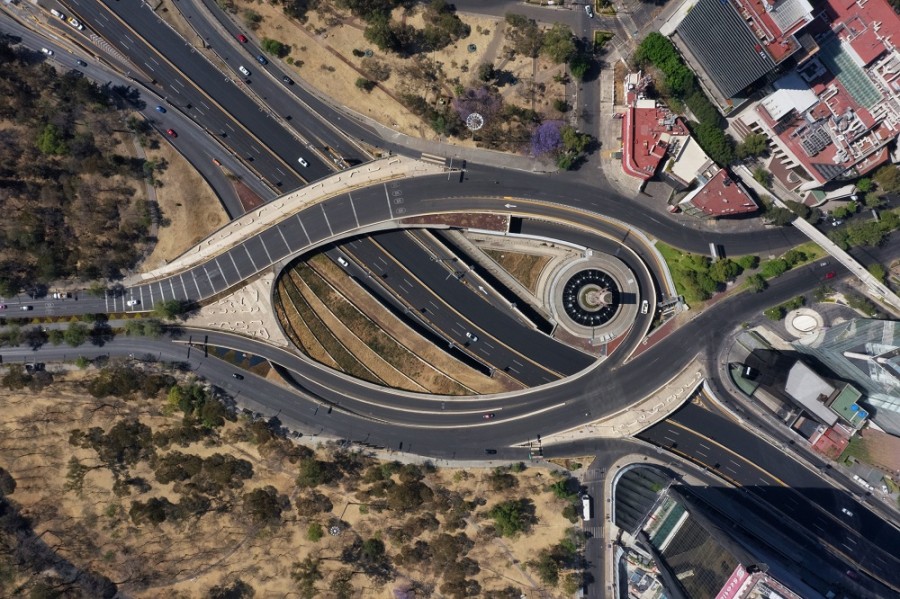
<point>479,100</point>
<point>546,138</point>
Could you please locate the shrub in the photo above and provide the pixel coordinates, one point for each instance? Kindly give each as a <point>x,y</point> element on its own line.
<point>314,532</point>
<point>275,48</point>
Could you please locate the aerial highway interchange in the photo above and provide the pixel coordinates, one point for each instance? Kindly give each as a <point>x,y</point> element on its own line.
<point>261,125</point>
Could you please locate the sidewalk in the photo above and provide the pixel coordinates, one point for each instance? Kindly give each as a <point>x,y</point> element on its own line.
<point>639,416</point>
<point>250,224</point>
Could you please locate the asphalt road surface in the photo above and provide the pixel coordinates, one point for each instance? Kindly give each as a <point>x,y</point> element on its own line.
<point>722,445</point>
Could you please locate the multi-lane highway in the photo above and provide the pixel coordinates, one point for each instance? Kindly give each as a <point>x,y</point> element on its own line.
<point>710,437</point>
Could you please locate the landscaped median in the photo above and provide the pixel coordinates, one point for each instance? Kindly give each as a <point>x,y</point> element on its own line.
<point>336,322</point>
<point>698,278</point>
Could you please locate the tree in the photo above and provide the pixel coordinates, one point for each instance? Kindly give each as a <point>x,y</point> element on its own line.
<point>306,574</point>
<point>579,65</point>
<point>524,34</point>
<point>877,271</point>
<point>341,585</point>
<point>236,590</point>
<point>864,185</point>
<point>573,141</point>
<point>774,268</point>
<point>264,506</point>
<point>76,334</point>
<point>51,141</point>
<point>888,178</point>
<point>873,200</point>
<point>546,567</point>
<point>756,283</point>
<point>559,43</point>
<point>171,309</point>
<point>780,216</point>
<point>762,176</point>
<point>314,532</point>
<point>379,32</point>
<point>275,48</point>
<point>514,516</point>
<point>364,84</point>
<point>485,72</point>
<point>312,473</point>
<point>755,144</point>
<point>547,138</point>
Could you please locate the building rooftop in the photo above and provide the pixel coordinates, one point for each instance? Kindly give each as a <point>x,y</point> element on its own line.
<point>688,159</point>
<point>721,195</point>
<point>811,391</point>
<point>724,45</point>
<point>646,132</point>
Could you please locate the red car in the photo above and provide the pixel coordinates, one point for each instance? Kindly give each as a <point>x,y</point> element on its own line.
<point>488,416</point>
<point>829,275</point>
<point>242,38</point>
<point>172,133</point>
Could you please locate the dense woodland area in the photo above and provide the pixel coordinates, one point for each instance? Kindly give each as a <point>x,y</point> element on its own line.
<point>70,184</point>
<point>147,478</point>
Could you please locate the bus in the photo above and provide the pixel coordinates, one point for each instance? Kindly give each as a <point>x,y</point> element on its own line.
<point>586,506</point>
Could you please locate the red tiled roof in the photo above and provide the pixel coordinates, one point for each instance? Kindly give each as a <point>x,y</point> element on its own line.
<point>645,140</point>
<point>717,198</point>
<point>859,25</point>
<point>784,44</point>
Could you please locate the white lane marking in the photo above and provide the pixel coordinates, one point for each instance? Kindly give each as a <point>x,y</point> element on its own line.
<point>236,269</point>
<point>283,238</point>
<point>356,218</point>
<point>327,222</point>
<point>194,277</point>
<point>183,286</point>
<point>251,258</point>
<point>209,278</point>
<point>302,226</point>
<point>221,272</point>
<point>388,198</point>
<point>266,249</point>
<point>149,67</point>
<point>150,291</point>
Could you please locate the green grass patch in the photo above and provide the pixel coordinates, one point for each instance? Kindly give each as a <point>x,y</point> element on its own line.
<point>855,449</point>
<point>601,37</point>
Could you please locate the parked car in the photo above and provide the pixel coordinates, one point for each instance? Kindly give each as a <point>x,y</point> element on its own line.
<point>132,302</point>
<point>242,38</point>
<point>161,109</point>
<point>261,59</point>
<point>171,133</point>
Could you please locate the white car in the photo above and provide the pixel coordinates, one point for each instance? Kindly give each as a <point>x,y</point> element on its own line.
<point>47,51</point>
<point>342,262</point>
<point>244,71</point>
<point>589,11</point>
<point>846,512</point>
<point>302,162</point>
<point>132,302</point>
<point>471,337</point>
<point>74,23</point>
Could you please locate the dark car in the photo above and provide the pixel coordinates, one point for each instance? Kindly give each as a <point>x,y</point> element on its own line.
<point>488,416</point>
<point>26,308</point>
<point>80,63</point>
<point>161,109</point>
<point>490,451</point>
<point>261,59</point>
<point>242,38</point>
<point>829,275</point>
<point>287,80</point>
<point>239,377</point>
